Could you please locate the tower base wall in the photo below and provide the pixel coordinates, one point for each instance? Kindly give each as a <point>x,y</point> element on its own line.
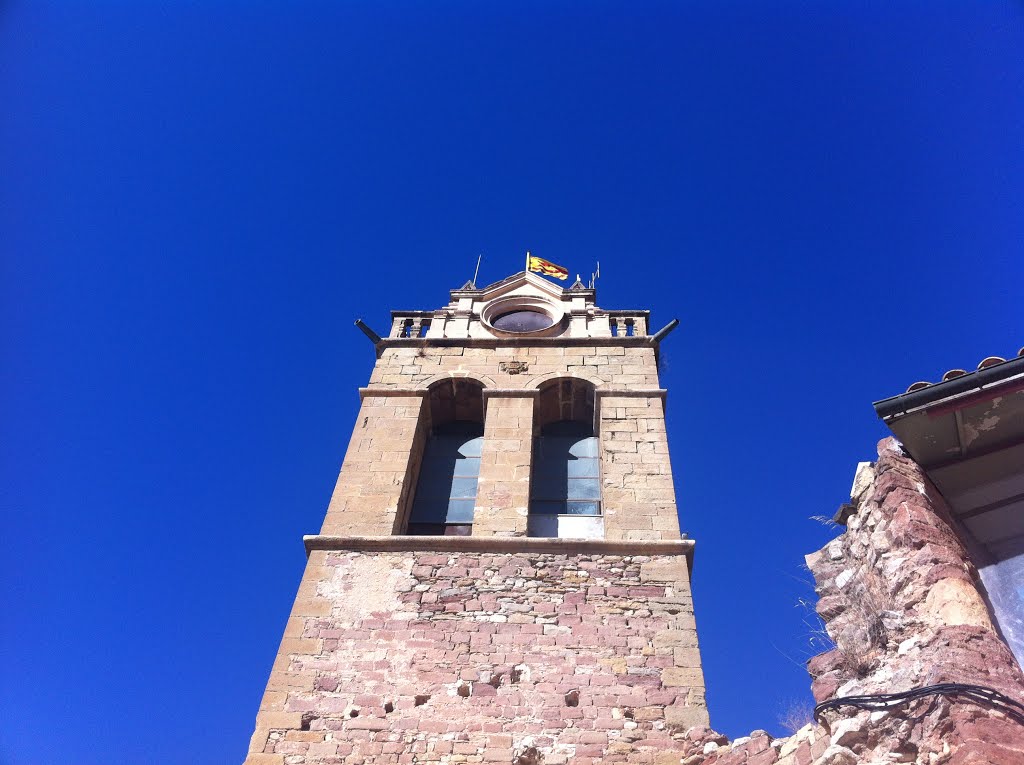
<point>401,656</point>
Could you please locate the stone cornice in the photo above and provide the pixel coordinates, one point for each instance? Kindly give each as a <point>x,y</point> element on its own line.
<point>632,392</point>
<point>364,392</point>
<point>500,545</point>
<point>516,342</point>
<point>516,392</point>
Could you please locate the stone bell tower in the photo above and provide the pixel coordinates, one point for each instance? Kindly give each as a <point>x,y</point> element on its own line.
<point>500,575</point>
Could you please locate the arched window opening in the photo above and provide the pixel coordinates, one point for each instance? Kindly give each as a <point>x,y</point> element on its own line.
<point>456,400</point>
<point>446,488</point>
<point>566,476</point>
<point>565,484</point>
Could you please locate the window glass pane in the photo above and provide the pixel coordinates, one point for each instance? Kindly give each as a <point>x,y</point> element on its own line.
<point>549,486</point>
<point>460,511</point>
<point>467,466</point>
<point>582,468</point>
<point>566,471</point>
<point>522,321</point>
<point>463,488</point>
<point>472,447</point>
<point>584,488</point>
<point>582,508</point>
<point>585,447</point>
<point>464,466</point>
<point>446,490</point>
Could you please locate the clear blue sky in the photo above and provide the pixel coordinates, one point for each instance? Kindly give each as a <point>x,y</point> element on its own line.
<point>198,198</point>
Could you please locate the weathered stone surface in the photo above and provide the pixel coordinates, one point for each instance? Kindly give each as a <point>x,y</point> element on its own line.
<point>899,592</point>
<point>467,656</point>
<point>485,655</point>
<point>862,480</point>
<point>685,717</point>
<point>955,601</point>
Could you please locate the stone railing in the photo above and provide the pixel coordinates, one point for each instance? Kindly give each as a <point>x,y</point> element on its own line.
<point>410,324</point>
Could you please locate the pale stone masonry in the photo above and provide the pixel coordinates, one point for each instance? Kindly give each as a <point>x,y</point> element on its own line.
<point>503,495</point>
<point>527,638</point>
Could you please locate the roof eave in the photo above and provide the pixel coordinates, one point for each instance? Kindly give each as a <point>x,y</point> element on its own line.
<point>895,407</point>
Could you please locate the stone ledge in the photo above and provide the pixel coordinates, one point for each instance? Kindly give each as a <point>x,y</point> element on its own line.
<point>516,342</point>
<point>396,392</point>
<point>500,545</point>
<point>633,392</point>
<point>376,390</point>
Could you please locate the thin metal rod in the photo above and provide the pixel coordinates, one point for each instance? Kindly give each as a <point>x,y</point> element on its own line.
<point>477,272</point>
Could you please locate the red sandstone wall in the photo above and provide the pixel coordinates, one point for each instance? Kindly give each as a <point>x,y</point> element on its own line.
<point>900,598</point>
<point>485,657</point>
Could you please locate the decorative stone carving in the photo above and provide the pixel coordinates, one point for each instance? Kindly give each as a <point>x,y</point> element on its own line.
<point>514,367</point>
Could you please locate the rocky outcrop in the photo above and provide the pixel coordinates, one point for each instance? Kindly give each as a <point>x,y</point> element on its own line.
<point>901,601</point>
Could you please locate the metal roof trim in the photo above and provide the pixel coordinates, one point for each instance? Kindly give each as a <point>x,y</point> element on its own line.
<point>905,403</point>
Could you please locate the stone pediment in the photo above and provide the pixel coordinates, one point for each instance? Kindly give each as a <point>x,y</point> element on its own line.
<point>522,283</point>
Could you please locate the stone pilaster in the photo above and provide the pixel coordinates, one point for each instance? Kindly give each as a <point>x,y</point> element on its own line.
<point>379,471</point>
<point>637,490</point>
<point>503,492</point>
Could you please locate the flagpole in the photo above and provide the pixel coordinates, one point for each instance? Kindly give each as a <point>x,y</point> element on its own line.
<point>477,272</point>
<point>527,261</point>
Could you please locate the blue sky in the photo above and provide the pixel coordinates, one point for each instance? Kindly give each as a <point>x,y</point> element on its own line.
<point>197,200</point>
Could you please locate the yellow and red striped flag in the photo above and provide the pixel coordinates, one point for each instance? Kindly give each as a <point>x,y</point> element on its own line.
<point>546,267</point>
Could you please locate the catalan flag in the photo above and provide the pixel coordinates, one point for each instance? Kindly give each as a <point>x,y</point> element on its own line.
<point>546,267</point>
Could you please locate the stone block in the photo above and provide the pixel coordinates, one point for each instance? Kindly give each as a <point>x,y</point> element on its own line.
<point>280,719</point>
<point>669,570</point>
<point>682,717</point>
<point>310,607</point>
<point>264,759</point>
<point>686,657</point>
<point>682,676</point>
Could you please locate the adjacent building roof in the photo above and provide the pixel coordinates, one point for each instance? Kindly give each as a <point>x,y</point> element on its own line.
<point>967,432</point>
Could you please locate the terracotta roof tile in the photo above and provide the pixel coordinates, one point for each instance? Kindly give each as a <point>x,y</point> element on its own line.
<point>954,373</point>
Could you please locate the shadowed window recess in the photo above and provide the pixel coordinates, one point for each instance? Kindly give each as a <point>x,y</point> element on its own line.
<point>566,476</point>
<point>565,481</point>
<point>446,488</point>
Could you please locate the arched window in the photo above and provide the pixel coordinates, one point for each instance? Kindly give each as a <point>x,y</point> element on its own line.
<point>446,490</point>
<point>565,482</point>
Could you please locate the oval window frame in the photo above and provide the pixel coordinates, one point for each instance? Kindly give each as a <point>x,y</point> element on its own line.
<point>502,306</point>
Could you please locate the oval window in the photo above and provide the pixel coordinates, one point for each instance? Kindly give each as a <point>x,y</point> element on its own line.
<point>522,321</point>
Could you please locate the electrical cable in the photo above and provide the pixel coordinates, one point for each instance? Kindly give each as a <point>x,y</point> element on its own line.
<point>976,693</point>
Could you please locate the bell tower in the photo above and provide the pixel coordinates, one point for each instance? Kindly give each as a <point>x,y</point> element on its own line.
<point>500,575</point>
